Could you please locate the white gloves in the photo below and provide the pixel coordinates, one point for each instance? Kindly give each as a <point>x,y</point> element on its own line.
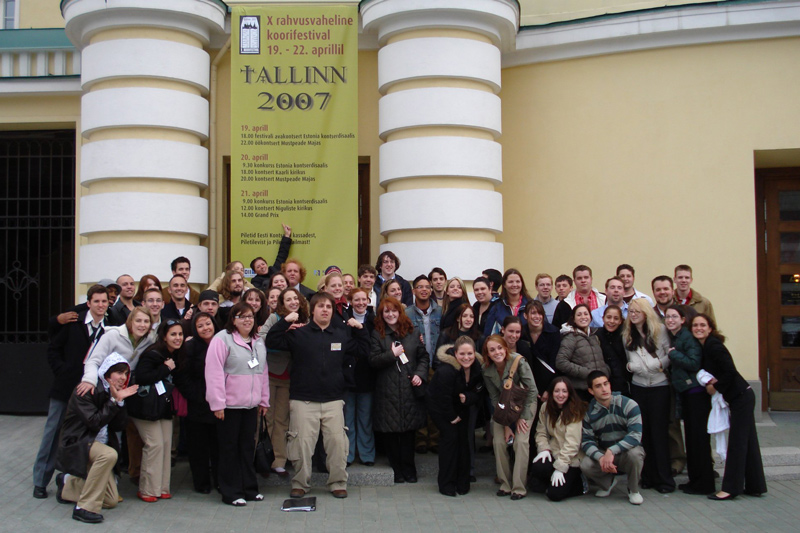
<point>557,479</point>
<point>543,457</point>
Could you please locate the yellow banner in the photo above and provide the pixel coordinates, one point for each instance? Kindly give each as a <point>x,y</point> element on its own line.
<point>294,121</point>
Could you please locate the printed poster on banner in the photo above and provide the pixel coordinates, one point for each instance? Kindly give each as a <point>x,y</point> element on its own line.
<point>294,122</point>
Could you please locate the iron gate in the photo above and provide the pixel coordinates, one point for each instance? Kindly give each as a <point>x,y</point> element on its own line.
<point>37,258</point>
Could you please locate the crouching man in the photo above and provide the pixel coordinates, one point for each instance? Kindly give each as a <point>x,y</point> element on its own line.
<point>612,438</point>
<point>88,447</point>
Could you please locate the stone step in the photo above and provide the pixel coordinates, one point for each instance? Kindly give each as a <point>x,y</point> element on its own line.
<point>780,456</point>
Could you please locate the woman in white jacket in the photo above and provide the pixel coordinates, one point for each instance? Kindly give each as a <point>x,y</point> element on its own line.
<point>647,346</point>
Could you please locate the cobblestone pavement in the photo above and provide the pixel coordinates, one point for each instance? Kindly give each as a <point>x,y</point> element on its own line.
<point>388,509</point>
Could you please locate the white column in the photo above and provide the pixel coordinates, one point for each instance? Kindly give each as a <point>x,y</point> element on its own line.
<point>439,76</point>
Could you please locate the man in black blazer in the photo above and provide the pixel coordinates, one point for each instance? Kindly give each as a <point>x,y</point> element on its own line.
<point>65,355</point>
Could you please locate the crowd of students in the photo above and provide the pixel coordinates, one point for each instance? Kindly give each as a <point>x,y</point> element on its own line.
<point>369,362</point>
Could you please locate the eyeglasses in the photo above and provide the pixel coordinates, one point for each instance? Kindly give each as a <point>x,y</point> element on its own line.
<point>245,317</point>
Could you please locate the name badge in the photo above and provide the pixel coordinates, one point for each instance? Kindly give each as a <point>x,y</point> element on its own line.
<point>160,389</point>
<point>336,346</point>
<point>252,363</point>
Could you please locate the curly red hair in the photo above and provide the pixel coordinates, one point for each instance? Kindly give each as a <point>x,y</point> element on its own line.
<point>404,325</point>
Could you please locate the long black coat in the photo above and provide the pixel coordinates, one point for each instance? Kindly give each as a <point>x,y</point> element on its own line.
<point>190,378</point>
<point>395,408</point>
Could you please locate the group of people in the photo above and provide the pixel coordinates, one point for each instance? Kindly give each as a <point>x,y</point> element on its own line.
<point>370,362</point>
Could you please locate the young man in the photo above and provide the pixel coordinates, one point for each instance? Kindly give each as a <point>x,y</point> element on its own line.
<point>685,295</point>
<point>181,266</point>
<point>615,291</point>
<point>323,357</point>
<point>179,305</point>
<point>263,271</point>
<point>438,279</point>
<point>425,314</point>
<point>556,311</point>
<point>626,273</point>
<point>232,290</point>
<point>387,265</point>
<point>154,304</point>
<point>584,293</point>
<point>366,280</point>
<point>612,438</point>
<point>120,310</point>
<point>89,446</point>
<point>664,292</point>
<point>295,274</point>
<point>238,266</point>
<point>563,286</point>
<point>65,356</point>
<point>496,279</point>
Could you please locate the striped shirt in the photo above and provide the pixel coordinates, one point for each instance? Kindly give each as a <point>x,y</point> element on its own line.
<point>618,428</point>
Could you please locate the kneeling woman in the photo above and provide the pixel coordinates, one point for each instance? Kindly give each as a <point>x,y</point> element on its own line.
<point>556,469</point>
<point>456,385</point>
<point>498,362</point>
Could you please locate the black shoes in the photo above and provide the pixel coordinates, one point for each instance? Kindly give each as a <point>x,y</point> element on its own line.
<point>60,489</point>
<point>450,493</point>
<point>82,515</point>
<point>369,463</point>
<point>411,479</point>
<point>398,478</point>
<point>40,493</point>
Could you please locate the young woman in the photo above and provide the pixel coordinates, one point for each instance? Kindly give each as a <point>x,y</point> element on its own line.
<point>544,340</point>
<point>278,281</point>
<point>646,344</point>
<point>556,468</point>
<point>334,285</point>
<point>456,386</point>
<point>463,324</point>
<point>290,304</point>
<point>349,284</point>
<point>693,404</point>
<point>580,352</point>
<point>148,281</point>
<point>237,390</point>
<point>483,301</point>
<point>513,299</point>
<point>201,424</point>
<point>497,365</point>
<point>393,289</point>
<point>358,400</point>
<point>401,364</point>
<point>455,294</point>
<point>272,298</point>
<point>154,369</point>
<point>610,336</point>
<point>744,471</point>
<point>258,302</point>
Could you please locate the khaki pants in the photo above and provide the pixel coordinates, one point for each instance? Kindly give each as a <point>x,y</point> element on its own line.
<point>512,480</point>
<point>630,462</point>
<point>156,456</point>
<point>99,489</point>
<point>278,419</point>
<point>306,419</point>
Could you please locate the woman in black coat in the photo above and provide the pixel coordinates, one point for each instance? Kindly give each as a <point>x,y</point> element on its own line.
<point>614,353</point>
<point>201,424</point>
<point>401,363</point>
<point>455,387</point>
<point>358,400</point>
<point>544,340</point>
<point>744,471</point>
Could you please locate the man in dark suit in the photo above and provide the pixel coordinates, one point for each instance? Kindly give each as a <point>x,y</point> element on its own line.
<point>120,310</point>
<point>65,355</point>
<point>295,274</point>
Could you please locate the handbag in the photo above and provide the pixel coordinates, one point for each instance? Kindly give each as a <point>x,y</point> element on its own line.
<point>265,454</point>
<point>148,404</point>
<point>512,399</point>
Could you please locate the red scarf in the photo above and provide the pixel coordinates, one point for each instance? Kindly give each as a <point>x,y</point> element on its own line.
<point>341,305</point>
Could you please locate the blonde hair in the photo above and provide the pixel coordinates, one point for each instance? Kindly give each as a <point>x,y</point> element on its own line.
<point>653,328</point>
<point>446,300</point>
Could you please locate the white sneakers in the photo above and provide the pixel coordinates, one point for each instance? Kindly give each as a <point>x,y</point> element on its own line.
<point>635,498</point>
<point>604,493</point>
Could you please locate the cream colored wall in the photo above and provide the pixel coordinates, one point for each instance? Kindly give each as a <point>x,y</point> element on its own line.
<point>535,12</point>
<point>647,158</point>
<point>39,14</point>
<point>368,140</point>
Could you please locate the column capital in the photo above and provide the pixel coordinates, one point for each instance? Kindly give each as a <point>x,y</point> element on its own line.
<point>203,19</point>
<point>496,19</point>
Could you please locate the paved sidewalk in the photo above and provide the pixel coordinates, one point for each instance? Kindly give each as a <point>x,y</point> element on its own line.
<point>389,509</point>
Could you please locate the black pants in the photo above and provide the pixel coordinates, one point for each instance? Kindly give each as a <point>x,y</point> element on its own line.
<point>236,436</point>
<point>400,450</point>
<point>744,471</point>
<point>203,450</point>
<point>539,481</point>
<point>454,455</point>
<point>654,405</point>
<point>695,407</point>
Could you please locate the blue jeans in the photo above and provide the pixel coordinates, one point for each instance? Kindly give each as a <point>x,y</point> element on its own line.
<point>358,419</point>
<point>45,463</point>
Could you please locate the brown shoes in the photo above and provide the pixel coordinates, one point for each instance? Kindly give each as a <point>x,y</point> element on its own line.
<point>341,493</point>
<point>297,493</point>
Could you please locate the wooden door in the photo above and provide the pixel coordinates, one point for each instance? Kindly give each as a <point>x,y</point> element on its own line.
<point>779,286</point>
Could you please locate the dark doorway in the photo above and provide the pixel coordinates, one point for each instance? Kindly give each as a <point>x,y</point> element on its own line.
<point>37,258</point>
<point>778,230</point>
<point>364,256</point>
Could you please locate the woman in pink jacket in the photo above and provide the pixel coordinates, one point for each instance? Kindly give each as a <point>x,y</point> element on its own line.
<point>236,384</point>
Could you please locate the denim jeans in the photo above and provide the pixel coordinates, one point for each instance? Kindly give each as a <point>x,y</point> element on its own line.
<point>358,419</point>
<point>45,463</point>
